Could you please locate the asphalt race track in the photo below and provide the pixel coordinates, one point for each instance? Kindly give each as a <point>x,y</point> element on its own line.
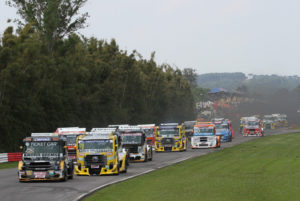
<point>12,190</point>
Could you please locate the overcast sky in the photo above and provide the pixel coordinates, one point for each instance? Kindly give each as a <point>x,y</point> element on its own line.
<point>250,36</point>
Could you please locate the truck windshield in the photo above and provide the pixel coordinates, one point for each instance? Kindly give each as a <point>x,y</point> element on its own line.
<point>189,124</point>
<point>168,132</point>
<point>203,131</point>
<point>71,139</point>
<point>43,149</point>
<point>268,118</point>
<point>132,138</point>
<point>99,145</point>
<point>149,132</point>
<point>221,126</point>
<point>252,123</point>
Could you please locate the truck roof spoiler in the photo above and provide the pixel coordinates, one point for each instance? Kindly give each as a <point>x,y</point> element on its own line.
<point>43,134</point>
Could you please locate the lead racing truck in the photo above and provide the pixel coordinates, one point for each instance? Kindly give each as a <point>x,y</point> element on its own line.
<point>169,137</point>
<point>253,127</point>
<point>99,153</point>
<point>133,140</point>
<point>44,158</point>
<point>204,136</point>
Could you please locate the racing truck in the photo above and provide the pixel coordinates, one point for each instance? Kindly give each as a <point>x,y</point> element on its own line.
<point>242,124</point>
<point>71,134</point>
<point>204,136</point>
<point>223,129</point>
<point>100,153</point>
<point>133,140</point>
<point>268,122</point>
<point>188,127</point>
<point>149,130</point>
<point>44,158</point>
<point>253,127</point>
<point>169,137</point>
<point>280,120</point>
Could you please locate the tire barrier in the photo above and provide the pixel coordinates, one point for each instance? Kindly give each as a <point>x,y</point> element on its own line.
<point>10,157</point>
<point>14,156</point>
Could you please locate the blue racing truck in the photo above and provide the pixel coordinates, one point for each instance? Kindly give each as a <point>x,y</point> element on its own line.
<point>223,129</point>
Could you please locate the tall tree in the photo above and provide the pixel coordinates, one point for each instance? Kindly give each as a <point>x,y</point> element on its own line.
<point>53,19</point>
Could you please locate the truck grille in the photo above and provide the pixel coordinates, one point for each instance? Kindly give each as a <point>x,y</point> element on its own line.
<point>167,141</point>
<point>203,139</point>
<point>133,149</point>
<point>39,165</point>
<point>72,152</point>
<point>95,159</point>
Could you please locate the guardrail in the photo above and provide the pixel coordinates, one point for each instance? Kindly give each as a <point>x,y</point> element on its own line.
<point>10,157</point>
<point>3,158</point>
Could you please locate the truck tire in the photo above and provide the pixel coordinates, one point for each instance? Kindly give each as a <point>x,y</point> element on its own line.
<point>65,178</point>
<point>126,166</point>
<point>150,159</point>
<point>146,157</point>
<point>71,171</point>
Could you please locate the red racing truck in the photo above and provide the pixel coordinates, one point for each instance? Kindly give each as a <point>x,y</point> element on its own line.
<point>71,133</point>
<point>149,130</point>
<point>253,127</point>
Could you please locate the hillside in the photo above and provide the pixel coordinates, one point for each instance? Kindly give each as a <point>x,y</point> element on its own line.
<point>261,84</point>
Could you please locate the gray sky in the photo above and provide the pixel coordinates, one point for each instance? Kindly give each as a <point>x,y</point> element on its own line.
<point>250,36</point>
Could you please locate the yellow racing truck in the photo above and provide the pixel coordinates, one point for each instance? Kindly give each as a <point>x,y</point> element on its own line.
<point>169,137</point>
<point>99,153</point>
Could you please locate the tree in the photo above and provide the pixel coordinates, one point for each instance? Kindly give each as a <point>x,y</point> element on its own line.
<point>53,19</point>
<point>190,75</point>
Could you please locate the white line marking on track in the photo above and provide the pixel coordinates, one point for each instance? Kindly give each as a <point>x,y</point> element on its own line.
<point>130,177</point>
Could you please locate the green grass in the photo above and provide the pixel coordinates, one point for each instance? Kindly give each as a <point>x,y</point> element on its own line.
<point>8,165</point>
<point>266,169</point>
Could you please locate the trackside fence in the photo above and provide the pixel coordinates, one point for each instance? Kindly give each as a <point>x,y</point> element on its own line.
<point>3,158</point>
<point>10,157</point>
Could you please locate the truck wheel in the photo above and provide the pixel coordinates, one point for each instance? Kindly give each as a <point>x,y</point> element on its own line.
<point>146,156</point>
<point>65,178</point>
<point>71,172</point>
<point>150,159</point>
<point>118,170</point>
<point>126,166</point>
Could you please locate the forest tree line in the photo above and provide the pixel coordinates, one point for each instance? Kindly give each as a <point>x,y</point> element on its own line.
<point>82,82</point>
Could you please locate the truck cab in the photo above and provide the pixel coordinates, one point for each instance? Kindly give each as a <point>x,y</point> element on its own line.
<point>204,136</point>
<point>169,137</point>
<point>188,128</point>
<point>268,122</point>
<point>149,130</point>
<point>44,158</point>
<point>71,133</point>
<point>223,129</point>
<point>133,140</point>
<point>99,153</point>
<point>253,127</point>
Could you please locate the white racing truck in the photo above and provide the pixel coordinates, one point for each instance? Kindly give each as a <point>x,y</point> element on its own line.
<point>133,139</point>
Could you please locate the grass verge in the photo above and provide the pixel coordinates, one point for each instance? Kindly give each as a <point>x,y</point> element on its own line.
<point>8,165</point>
<point>264,169</point>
